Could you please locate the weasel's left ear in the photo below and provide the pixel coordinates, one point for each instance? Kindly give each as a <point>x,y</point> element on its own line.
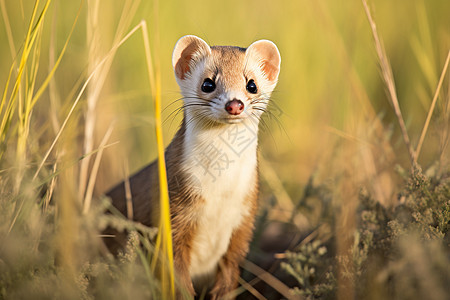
<point>267,54</point>
<point>187,51</point>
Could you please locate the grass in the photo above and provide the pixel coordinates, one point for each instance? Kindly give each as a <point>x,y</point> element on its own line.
<point>355,184</point>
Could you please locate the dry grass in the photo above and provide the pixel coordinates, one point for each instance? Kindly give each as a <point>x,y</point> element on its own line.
<point>81,107</point>
<point>388,78</point>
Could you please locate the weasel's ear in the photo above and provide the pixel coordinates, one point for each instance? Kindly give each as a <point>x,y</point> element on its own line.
<point>268,56</point>
<point>187,50</point>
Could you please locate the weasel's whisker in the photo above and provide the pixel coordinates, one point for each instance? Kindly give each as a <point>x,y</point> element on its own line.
<point>172,103</point>
<point>254,119</point>
<point>200,116</point>
<point>175,113</point>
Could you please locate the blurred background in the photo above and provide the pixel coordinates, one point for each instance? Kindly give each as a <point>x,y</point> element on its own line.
<point>329,80</point>
<point>331,120</point>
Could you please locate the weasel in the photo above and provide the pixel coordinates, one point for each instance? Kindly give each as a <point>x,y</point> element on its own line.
<point>212,164</point>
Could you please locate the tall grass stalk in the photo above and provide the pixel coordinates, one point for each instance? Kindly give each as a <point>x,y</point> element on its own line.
<point>33,33</point>
<point>52,86</point>
<point>25,107</point>
<point>93,176</point>
<point>431,110</point>
<point>96,85</point>
<point>164,238</point>
<point>24,102</point>
<point>382,192</point>
<point>12,48</point>
<point>68,218</point>
<point>388,78</point>
<point>271,280</point>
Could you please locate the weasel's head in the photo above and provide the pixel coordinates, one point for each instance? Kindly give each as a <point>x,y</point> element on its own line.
<point>222,84</point>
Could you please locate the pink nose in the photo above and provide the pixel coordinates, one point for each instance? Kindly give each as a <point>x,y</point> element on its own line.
<point>234,107</point>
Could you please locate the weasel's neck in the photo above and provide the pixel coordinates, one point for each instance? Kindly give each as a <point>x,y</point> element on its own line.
<point>218,152</point>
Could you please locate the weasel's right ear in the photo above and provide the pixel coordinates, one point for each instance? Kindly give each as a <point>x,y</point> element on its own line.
<point>268,56</point>
<point>188,49</point>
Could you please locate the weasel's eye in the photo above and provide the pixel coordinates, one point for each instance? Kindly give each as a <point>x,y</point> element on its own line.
<point>251,87</point>
<point>208,86</point>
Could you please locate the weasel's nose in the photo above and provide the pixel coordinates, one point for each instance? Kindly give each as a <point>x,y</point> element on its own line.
<point>234,107</point>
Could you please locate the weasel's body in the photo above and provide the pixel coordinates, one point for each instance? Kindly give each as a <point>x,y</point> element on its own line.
<point>211,163</point>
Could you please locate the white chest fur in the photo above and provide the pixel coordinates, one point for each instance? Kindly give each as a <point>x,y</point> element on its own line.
<point>222,163</point>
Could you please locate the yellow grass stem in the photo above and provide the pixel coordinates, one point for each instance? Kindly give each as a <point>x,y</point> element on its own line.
<point>32,33</point>
<point>50,75</point>
<point>25,109</point>
<point>430,111</point>
<point>92,178</point>
<point>388,78</point>
<point>28,44</point>
<point>164,238</point>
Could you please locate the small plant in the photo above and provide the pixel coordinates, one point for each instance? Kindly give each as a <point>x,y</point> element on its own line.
<point>309,266</point>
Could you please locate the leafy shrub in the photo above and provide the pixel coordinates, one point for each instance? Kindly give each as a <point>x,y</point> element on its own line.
<point>399,253</point>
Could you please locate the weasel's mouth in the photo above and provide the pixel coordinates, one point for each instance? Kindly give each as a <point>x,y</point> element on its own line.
<point>232,120</point>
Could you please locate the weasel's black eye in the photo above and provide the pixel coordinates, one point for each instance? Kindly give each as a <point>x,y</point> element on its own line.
<point>251,87</point>
<point>208,86</point>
